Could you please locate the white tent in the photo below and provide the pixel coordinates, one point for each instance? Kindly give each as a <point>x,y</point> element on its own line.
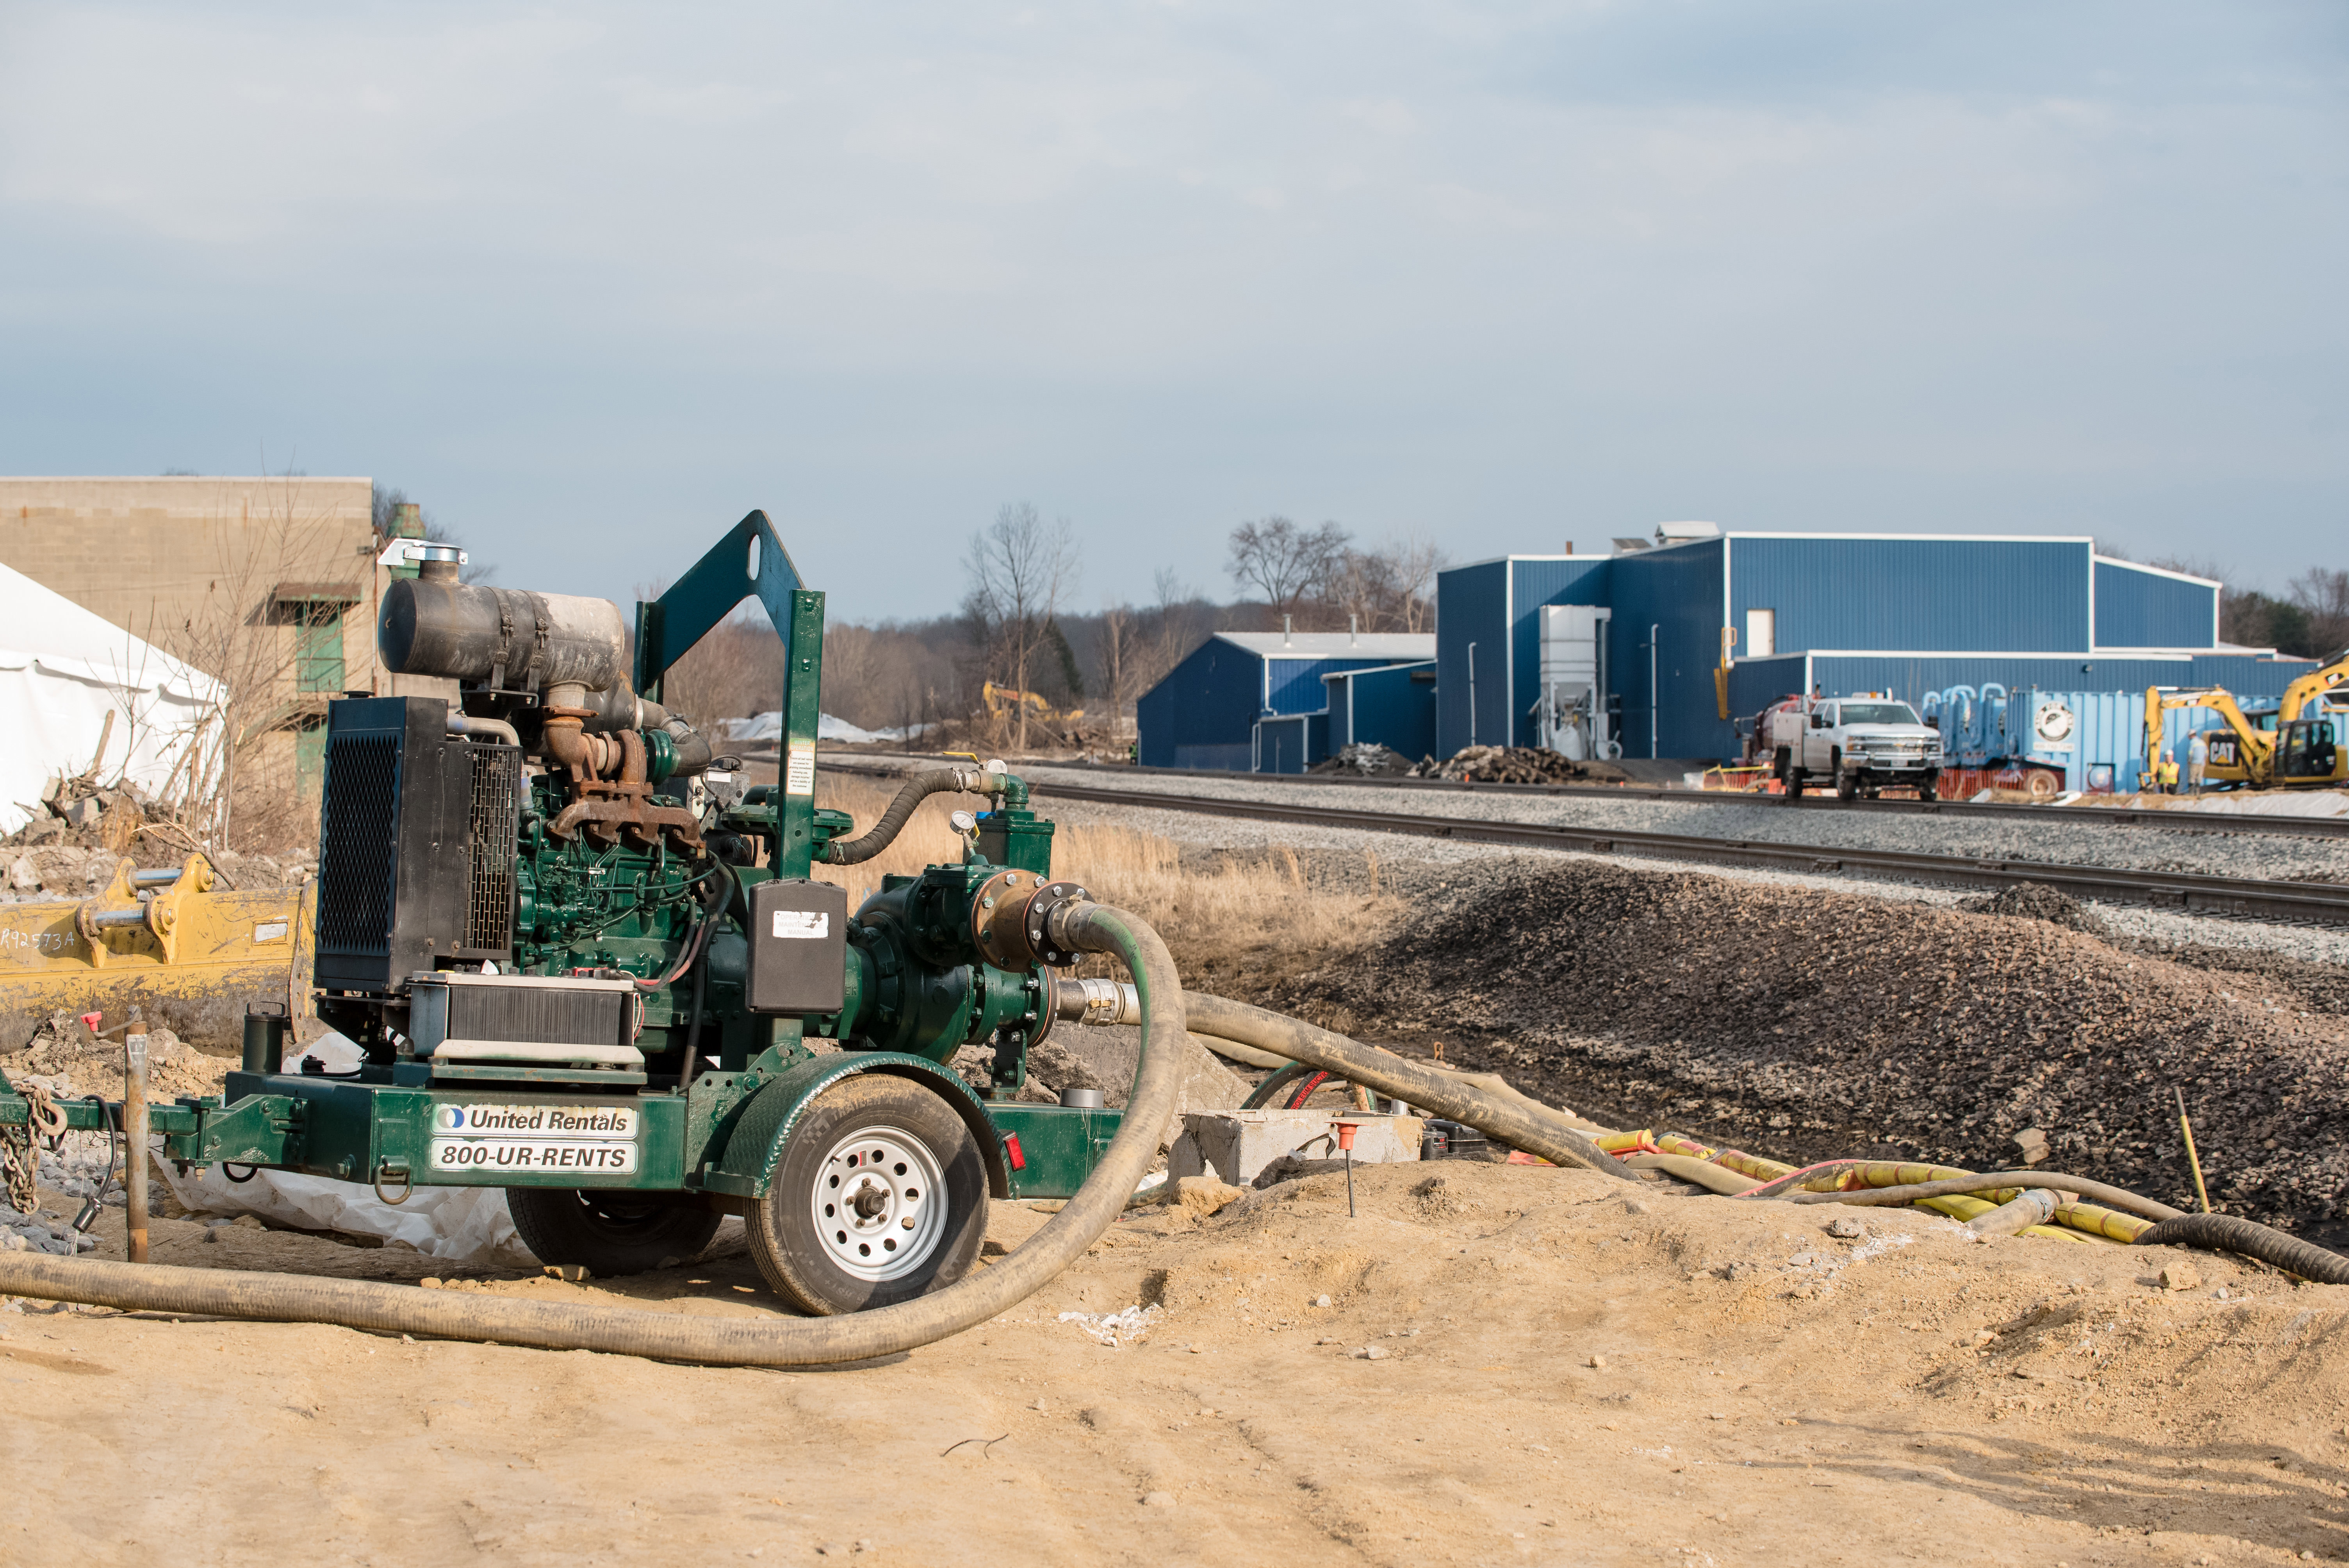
<point>62,669</point>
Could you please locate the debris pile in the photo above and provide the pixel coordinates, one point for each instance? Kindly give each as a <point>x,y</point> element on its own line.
<point>2036,900</point>
<point>1370,759</point>
<point>1816,1024</point>
<point>1516,765</point>
<point>55,870</point>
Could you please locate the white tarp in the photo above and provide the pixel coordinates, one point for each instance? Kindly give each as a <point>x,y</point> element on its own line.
<point>770,726</point>
<point>62,669</point>
<point>465,1225</point>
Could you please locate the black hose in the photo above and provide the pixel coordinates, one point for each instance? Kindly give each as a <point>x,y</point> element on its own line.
<point>919,787</point>
<point>2233,1233</point>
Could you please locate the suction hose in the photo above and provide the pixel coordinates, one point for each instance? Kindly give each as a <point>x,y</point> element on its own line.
<point>798,1342</point>
<point>919,787</point>
<point>1517,1122</point>
<point>2233,1233</point>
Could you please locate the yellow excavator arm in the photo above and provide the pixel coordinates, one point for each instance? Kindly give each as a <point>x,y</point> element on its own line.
<point>2311,688</point>
<point>2257,747</point>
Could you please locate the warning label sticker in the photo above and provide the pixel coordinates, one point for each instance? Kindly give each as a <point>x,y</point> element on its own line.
<point>802,924</point>
<point>798,773</point>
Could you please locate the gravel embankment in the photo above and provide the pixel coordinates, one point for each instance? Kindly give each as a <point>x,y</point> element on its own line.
<point>1808,1022</point>
<point>2250,854</point>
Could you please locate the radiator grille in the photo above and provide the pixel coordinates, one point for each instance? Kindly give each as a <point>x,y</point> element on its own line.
<point>359,844</point>
<point>490,828</point>
<point>554,1014</point>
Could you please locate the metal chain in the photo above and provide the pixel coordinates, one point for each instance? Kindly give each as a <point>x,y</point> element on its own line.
<point>18,1163</point>
<point>21,1168</point>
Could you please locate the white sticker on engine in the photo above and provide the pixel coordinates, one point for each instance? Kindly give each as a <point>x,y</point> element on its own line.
<point>269,931</point>
<point>802,924</point>
<point>798,775</point>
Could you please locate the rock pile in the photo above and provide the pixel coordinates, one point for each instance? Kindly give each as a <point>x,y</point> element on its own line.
<point>1806,1024</point>
<point>1370,759</point>
<point>1516,765</point>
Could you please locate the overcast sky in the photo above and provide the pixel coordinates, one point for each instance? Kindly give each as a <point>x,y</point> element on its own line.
<point>590,284</point>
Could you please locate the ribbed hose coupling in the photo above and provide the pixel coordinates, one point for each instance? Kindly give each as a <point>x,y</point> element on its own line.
<point>1096,1001</point>
<point>2035,1207</point>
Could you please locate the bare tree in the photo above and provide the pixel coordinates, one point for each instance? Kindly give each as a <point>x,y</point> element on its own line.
<point>1288,564</point>
<point>1416,561</point>
<point>1018,568</point>
<point>2323,594</point>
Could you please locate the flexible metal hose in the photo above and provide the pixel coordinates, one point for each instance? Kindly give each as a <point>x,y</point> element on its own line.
<point>797,1342</point>
<point>1519,1122</point>
<point>2233,1233</point>
<point>919,787</point>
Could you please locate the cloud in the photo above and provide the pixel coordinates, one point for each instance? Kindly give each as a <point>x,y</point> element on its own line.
<point>607,277</point>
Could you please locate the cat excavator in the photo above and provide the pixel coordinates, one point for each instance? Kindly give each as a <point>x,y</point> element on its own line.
<point>2303,745</point>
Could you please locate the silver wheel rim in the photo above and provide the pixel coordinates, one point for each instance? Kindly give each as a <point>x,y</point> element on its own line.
<point>879,1204</point>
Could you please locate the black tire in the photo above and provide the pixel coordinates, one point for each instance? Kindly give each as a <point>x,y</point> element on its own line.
<point>1783,764</point>
<point>848,1260</point>
<point>608,1232</point>
<point>1847,785</point>
<point>1796,779</point>
<point>1930,789</point>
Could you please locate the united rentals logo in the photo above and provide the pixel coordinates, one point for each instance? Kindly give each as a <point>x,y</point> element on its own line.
<point>528,1121</point>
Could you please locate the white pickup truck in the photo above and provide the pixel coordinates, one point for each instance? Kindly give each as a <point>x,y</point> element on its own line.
<point>1864,745</point>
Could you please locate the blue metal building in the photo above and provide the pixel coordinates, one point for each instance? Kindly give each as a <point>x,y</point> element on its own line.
<point>1837,613</point>
<point>1393,706</point>
<point>1256,700</point>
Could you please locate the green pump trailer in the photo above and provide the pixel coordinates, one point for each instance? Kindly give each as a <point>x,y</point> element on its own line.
<point>577,972</point>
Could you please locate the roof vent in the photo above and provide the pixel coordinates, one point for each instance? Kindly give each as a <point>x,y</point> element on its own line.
<point>1680,533</point>
<point>1284,631</point>
<point>1628,546</point>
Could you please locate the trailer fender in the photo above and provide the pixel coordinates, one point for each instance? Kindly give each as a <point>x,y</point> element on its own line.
<point>755,1135</point>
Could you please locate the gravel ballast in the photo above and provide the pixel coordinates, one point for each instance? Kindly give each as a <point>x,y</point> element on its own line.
<point>1806,1024</point>
<point>2052,840</point>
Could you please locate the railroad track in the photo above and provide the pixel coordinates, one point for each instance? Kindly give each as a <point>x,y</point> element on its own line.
<point>2176,821</point>
<point>2192,891</point>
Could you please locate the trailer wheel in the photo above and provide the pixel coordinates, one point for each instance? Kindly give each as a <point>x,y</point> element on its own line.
<point>608,1231</point>
<point>880,1197</point>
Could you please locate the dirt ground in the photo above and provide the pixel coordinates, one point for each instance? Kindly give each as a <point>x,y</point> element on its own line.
<point>1565,1369</point>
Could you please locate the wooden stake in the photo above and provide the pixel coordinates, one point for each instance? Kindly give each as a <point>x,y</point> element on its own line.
<point>2192,1159</point>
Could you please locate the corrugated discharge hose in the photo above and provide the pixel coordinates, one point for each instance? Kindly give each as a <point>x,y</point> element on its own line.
<point>1519,1122</point>
<point>2233,1233</point>
<point>796,1342</point>
<point>916,789</point>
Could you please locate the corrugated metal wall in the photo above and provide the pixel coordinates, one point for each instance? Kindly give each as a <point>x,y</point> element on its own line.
<point>2140,609</point>
<point>2006,595</point>
<point>1536,581</point>
<point>1198,717</point>
<point>1678,591</point>
<point>1471,606</point>
<point>1909,678</point>
<point>1393,707</point>
<point>1297,683</point>
<point>1292,744</point>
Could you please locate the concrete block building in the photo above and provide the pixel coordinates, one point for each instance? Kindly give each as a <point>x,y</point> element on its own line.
<point>268,584</point>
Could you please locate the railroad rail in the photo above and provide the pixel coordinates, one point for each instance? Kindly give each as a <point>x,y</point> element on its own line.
<point>2252,897</point>
<point>2176,822</point>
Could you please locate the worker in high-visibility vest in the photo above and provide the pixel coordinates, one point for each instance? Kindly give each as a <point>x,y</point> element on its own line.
<point>2165,778</point>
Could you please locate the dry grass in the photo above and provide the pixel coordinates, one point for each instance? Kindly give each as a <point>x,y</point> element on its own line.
<point>1235,924</point>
